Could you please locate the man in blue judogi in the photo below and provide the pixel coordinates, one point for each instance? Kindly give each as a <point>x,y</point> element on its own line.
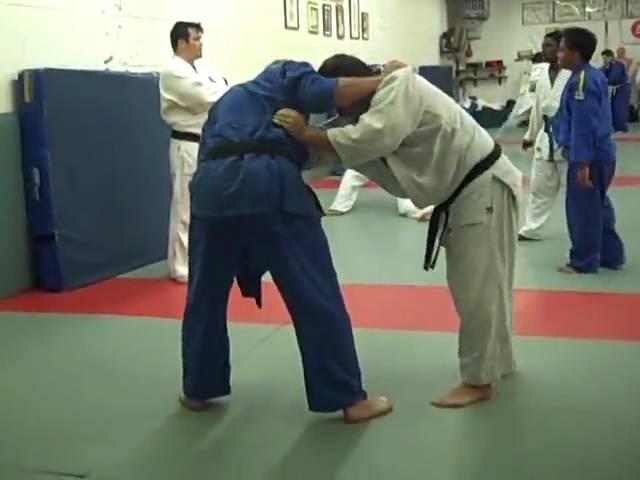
<point>584,133</point>
<point>251,213</point>
<point>619,90</point>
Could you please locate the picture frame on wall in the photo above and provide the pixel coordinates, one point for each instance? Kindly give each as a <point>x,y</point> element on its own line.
<point>605,10</point>
<point>291,14</point>
<point>313,18</point>
<point>327,20</point>
<point>354,19</point>
<point>340,24</point>
<point>569,11</point>
<point>633,8</point>
<point>364,25</point>
<point>537,13</point>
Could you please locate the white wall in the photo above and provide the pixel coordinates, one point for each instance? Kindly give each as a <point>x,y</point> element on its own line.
<point>503,35</point>
<point>241,36</point>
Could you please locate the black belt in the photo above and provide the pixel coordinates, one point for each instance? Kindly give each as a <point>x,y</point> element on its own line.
<point>547,130</point>
<point>185,136</point>
<point>439,221</point>
<point>253,147</point>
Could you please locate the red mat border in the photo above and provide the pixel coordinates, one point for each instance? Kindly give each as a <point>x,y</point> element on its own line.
<point>540,313</point>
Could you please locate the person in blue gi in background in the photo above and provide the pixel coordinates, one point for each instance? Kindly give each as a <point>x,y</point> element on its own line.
<point>584,133</point>
<point>619,90</point>
<point>251,213</point>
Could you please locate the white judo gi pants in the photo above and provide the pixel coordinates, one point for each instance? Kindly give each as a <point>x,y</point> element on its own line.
<point>183,157</point>
<point>547,179</point>
<point>480,275</point>
<point>350,186</point>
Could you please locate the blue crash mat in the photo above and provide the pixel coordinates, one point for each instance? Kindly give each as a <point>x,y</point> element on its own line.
<point>96,170</point>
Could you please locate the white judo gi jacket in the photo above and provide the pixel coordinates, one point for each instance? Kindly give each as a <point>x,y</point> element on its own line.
<point>546,103</point>
<point>429,144</point>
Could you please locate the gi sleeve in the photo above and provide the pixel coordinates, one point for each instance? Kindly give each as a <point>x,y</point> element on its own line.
<point>322,163</point>
<point>307,90</point>
<point>395,112</point>
<point>190,91</point>
<point>534,123</point>
<point>584,100</point>
<point>552,104</point>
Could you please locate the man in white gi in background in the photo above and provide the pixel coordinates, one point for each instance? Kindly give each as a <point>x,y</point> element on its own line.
<point>549,168</point>
<point>350,186</point>
<point>187,92</point>
<point>416,142</point>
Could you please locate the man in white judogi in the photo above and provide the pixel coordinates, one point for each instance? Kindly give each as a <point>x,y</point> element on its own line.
<point>549,167</point>
<point>187,92</point>
<point>351,183</point>
<point>416,142</point>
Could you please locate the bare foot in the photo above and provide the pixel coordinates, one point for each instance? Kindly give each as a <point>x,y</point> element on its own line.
<point>568,270</point>
<point>194,405</point>
<point>464,396</point>
<point>424,215</point>
<point>368,409</point>
<point>334,213</point>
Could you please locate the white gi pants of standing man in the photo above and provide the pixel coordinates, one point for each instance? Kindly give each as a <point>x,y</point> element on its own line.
<point>187,93</point>
<point>547,173</point>
<point>350,186</point>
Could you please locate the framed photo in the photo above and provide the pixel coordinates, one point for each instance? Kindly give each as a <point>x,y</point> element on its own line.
<point>364,25</point>
<point>633,8</point>
<point>354,19</point>
<point>291,15</point>
<point>569,11</point>
<point>537,13</point>
<point>313,18</point>
<point>340,30</point>
<point>605,10</point>
<point>327,20</point>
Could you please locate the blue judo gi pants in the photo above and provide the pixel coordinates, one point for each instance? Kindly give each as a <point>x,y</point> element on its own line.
<point>591,220</point>
<point>296,252</point>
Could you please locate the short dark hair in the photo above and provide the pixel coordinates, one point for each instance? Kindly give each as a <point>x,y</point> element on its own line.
<point>580,40</point>
<point>607,52</point>
<point>342,65</point>
<point>555,35</point>
<point>182,31</point>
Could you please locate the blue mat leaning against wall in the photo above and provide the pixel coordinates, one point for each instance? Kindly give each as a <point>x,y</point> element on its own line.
<point>96,170</point>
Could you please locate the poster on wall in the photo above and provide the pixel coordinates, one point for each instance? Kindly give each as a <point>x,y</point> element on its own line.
<point>354,19</point>
<point>327,21</point>
<point>364,24</point>
<point>291,15</point>
<point>633,8</point>
<point>313,18</point>
<point>569,11</point>
<point>340,31</point>
<point>537,13</point>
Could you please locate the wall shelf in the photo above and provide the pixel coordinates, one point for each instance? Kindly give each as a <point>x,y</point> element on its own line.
<point>477,73</point>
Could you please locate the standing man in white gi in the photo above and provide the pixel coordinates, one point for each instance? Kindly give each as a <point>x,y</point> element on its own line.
<point>416,142</point>
<point>350,186</point>
<point>549,168</point>
<point>187,92</point>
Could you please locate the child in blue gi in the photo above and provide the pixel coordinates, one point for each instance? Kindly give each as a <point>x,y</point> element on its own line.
<point>584,132</point>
